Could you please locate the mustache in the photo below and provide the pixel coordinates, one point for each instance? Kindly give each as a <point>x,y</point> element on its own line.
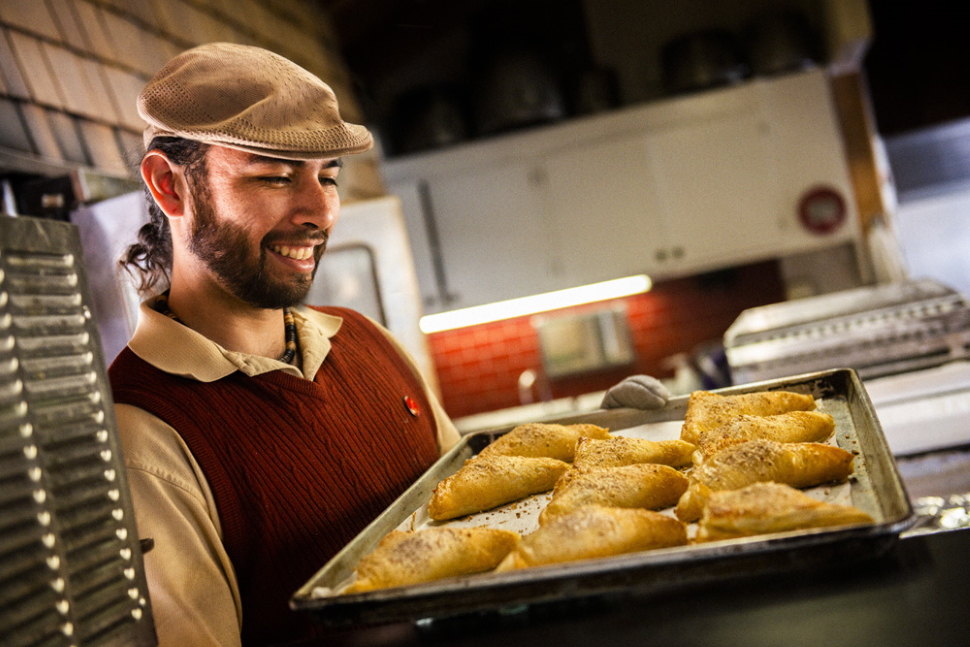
<point>319,236</point>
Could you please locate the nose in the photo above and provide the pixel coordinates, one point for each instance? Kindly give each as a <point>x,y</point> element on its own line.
<point>318,205</point>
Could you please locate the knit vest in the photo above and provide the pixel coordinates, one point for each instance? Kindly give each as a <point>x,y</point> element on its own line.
<point>297,468</point>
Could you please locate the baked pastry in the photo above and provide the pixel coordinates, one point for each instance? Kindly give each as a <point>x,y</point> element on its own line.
<point>753,461</point>
<point>644,485</point>
<point>485,482</point>
<point>595,531</point>
<point>791,427</point>
<point>404,558</point>
<point>622,450</point>
<point>706,410</point>
<point>543,439</point>
<point>761,508</point>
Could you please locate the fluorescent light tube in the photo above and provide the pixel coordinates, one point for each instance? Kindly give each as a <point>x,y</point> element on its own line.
<point>537,303</point>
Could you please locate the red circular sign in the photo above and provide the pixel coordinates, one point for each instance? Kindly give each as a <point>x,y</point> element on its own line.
<point>822,210</point>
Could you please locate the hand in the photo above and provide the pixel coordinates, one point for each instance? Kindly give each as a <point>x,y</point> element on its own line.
<point>636,392</point>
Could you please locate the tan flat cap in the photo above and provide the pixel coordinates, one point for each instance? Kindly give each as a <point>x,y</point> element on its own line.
<point>250,99</point>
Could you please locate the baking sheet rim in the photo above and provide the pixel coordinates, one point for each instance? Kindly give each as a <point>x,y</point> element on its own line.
<point>697,553</point>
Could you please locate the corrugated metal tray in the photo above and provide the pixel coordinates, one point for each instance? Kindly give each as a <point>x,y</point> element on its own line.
<point>876,487</point>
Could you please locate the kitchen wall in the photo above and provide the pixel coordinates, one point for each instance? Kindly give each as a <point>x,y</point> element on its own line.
<point>479,366</point>
<point>70,71</point>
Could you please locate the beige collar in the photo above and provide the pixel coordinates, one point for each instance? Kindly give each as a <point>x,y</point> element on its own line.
<point>174,348</point>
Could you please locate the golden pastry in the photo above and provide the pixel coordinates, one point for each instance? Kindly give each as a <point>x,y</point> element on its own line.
<point>543,439</point>
<point>622,450</point>
<point>706,410</point>
<point>644,485</point>
<point>404,558</point>
<point>753,461</point>
<point>791,427</point>
<point>485,482</point>
<point>595,531</point>
<point>762,508</point>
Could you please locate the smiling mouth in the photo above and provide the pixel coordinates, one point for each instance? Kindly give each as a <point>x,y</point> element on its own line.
<point>296,253</point>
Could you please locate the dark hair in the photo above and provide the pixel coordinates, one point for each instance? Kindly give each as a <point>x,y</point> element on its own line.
<point>151,257</point>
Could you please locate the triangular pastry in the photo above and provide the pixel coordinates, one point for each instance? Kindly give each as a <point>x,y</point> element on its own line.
<point>404,558</point>
<point>485,482</point>
<point>762,508</point>
<point>649,486</point>
<point>706,410</point>
<point>623,450</point>
<point>538,439</point>
<point>791,427</point>
<point>595,531</point>
<point>796,464</point>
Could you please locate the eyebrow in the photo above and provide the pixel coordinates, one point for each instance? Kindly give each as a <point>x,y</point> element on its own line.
<point>256,158</point>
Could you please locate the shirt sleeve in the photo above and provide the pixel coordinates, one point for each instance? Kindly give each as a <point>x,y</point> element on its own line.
<point>192,587</point>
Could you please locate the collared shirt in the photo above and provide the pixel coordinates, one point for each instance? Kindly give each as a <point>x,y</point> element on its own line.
<point>192,586</point>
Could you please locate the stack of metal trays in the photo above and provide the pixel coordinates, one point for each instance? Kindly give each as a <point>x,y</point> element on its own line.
<point>877,331</point>
<point>71,570</point>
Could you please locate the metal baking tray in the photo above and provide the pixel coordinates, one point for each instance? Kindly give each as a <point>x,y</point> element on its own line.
<point>876,487</point>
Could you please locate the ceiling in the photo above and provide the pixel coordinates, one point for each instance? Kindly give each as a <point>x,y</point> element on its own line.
<point>917,68</point>
<point>379,34</point>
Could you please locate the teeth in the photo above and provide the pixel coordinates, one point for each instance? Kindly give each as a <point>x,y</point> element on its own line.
<point>297,253</point>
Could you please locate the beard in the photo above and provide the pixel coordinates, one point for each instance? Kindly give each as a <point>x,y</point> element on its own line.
<point>225,248</point>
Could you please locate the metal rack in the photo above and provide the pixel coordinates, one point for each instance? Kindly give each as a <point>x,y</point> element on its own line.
<point>878,331</point>
<point>71,568</point>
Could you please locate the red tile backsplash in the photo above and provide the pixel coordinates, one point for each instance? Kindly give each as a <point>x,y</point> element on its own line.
<point>479,366</point>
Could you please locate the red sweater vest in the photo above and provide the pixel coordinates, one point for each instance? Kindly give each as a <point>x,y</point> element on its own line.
<point>297,468</point>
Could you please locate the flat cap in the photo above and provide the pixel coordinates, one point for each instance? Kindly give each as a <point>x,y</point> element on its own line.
<point>250,99</point>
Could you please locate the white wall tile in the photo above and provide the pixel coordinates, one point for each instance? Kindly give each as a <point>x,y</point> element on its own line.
<point>225,8</point>
<point>77,89</point>
<point>224,33</point>
<point>169,20</point>
<point>195,23</point>
<point>35,70</point>
<point>170,50</point>
<point>32,15</point>
<point>158,52</point>
<point>68,137</point>
<point>99,94</point>
<point>129,42</point>
<point>132,146</point>
<point>143,10</point>
<point>41,132</point>
<point>69,24</point>
<point>13,79</point>
<point>91,20</point>
<point>207,28</point>
<point>13,133</point>
<point>103,147</point>
<point>124,89</point>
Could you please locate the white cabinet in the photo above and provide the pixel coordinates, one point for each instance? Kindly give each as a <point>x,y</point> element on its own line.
<point>670,188</point>
<point>493,234</point>
<point>606,210</point>
<point>711,209</point>
<point>481,236</point>
<point>667,202</point>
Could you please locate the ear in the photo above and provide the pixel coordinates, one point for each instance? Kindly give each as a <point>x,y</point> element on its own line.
<point>166,183</point>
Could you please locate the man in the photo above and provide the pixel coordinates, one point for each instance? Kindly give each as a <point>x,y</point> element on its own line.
<point>260,436</point>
